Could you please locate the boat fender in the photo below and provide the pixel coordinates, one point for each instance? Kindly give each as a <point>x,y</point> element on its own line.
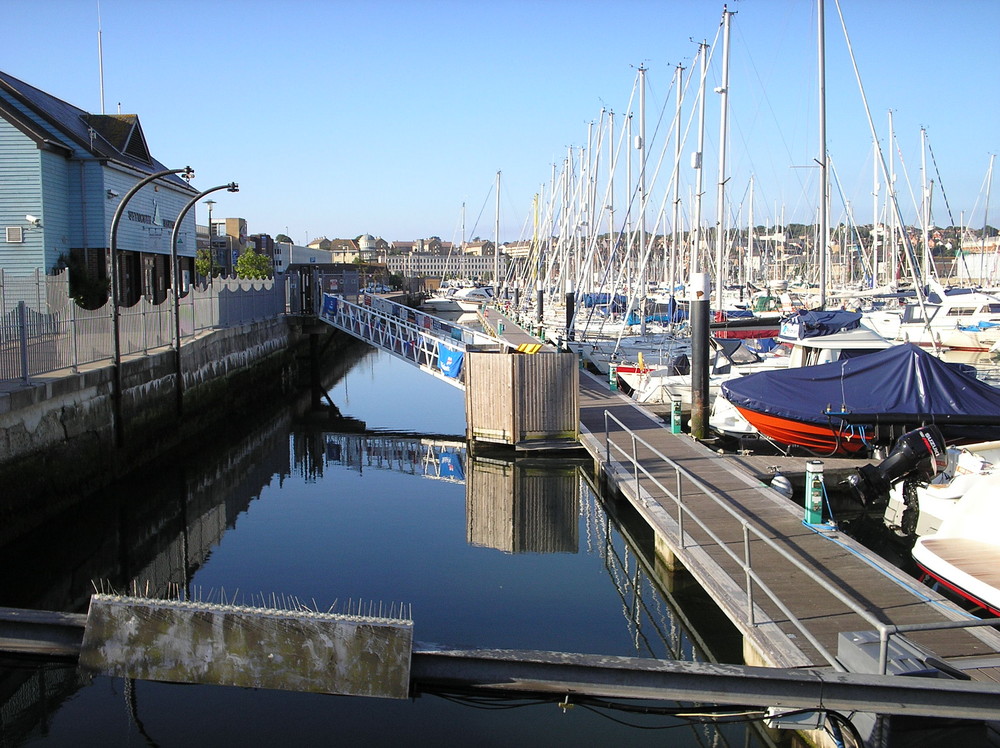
<point>782,485</point>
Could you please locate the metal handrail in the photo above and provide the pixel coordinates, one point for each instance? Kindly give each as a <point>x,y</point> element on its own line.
<point>885,630</point>
<point>386,325</point>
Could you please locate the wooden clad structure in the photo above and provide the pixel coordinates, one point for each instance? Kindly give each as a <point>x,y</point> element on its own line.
<point>522,506</point>
<point>526,401</point>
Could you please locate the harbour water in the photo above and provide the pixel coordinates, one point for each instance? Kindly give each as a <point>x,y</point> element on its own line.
<point>342,513</point>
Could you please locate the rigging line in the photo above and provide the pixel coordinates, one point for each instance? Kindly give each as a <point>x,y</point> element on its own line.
<point>850,216</point>
<point>765,99</point>
<point>944,195</point>
<point>482,209</point>
<point>911,257</point>
<point>906,177</point>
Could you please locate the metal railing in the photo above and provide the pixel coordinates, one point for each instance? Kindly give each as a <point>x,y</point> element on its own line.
<point>684,510</point>
<point>42,329</point>
<point>418,338</point>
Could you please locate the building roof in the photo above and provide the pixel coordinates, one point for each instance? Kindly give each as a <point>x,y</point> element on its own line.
<point>58,125</point>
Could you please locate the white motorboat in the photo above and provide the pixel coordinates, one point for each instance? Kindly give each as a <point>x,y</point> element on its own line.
<point>459,299</point>
<point>959,319</point>
<point>963,556</point>
<point>917,508</point>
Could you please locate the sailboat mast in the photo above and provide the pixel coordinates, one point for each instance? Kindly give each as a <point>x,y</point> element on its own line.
<point>824,189</point>
<point>697,163</point>
<point>874,240</point>
<point>496,246</point>
<point>720,208</point>
<point>925,208</point>
<point>748,263</point>
<point>986,217</point>
<point>675,244</point>
<point>642,201</point>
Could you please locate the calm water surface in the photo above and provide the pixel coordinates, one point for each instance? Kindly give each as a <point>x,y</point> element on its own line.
<point>298,507</point>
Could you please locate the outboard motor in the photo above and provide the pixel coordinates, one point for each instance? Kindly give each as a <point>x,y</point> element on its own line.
<point>921,453</point>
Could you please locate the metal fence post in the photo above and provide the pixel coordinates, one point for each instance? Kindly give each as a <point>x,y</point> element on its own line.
<point>635,468</point>
<point>22,324</point>
<point>73,335</point>
<point>680,509</point>
<point>747,564</point>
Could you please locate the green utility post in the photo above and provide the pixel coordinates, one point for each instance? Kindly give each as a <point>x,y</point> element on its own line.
<point>814,492</point>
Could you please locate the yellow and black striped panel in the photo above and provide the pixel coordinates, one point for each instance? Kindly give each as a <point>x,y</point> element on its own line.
<point>529,347</point>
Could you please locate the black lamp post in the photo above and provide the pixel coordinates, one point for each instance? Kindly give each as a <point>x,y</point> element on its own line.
<point>211,243</point>
<point>188,173</point>
<point>175,278</point>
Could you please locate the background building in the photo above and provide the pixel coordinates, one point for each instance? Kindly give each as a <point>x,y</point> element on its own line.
<point>68,169</point>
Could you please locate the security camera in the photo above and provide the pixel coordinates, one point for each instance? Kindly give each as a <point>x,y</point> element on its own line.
<point>112,194</point>
<point>33,220</point>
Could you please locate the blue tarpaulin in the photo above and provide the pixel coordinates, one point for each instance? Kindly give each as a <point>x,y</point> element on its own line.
<point>813,324</point>
<point>450,361</point>
<point>887,385</point>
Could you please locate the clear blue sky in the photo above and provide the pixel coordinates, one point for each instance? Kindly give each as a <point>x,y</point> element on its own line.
<point>340,117</point>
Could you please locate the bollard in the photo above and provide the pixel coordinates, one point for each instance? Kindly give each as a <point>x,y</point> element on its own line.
<point>814,492</point>
<point>613,375</point>
<point>675,414</point>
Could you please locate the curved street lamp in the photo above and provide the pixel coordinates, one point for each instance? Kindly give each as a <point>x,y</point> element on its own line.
<point>187,173</point>
<point>174,279</point>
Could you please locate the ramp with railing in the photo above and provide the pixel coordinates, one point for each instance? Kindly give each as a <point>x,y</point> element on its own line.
<point>434,345</point>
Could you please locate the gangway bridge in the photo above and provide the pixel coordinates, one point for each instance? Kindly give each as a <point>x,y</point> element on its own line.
<point>434,345</point>
<point>413,455</point>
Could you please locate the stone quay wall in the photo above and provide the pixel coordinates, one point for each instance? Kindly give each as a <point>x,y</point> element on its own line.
<point>57,437</point>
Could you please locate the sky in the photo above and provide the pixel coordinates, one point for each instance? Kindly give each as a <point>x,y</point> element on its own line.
<point>392,118</point>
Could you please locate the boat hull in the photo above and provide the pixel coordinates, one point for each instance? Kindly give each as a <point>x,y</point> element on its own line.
<point>978,593</point>
<point>820,439</point>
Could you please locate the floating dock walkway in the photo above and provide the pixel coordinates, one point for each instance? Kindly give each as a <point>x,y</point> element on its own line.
<point>797,592</point>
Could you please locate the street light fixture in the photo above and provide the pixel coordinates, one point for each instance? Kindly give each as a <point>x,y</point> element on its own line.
<point>211,243</point>
<point>187,173</point>
<point>175,277</point>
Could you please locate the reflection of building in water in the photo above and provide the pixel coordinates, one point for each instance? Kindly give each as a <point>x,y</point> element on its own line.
<point>522,506</point>
<point>153,541</point>
<point>429,458</point>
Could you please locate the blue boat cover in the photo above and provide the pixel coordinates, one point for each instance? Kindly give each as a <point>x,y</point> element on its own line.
<point>813,324</point>
<point>903,379</point>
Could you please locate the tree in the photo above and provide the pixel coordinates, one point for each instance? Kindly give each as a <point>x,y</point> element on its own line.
<point>284,239</point>
<point>202,263</point>
<point>251,264</point>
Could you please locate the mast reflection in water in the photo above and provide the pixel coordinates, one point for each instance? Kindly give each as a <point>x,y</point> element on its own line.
<point>499,553</point>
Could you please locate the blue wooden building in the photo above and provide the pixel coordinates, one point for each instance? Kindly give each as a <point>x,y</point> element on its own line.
<point>63,173</point>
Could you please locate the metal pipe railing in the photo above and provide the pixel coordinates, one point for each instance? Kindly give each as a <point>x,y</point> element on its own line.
<point>885,630</point>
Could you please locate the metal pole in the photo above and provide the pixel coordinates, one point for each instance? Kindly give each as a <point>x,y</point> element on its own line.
<point>824,190</point>
<point>699,304</point>
<point>22,323</point>
<point>175,282</point>
<point>188,173</point>
<point>720,208</point>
